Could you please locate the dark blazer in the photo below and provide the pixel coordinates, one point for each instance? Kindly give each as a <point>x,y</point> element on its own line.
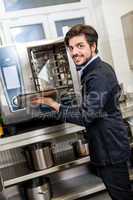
<point>99,112</point>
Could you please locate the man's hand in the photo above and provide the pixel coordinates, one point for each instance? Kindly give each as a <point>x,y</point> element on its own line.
<point>47,101</point>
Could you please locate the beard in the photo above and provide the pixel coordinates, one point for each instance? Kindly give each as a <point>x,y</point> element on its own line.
<point>79,67</point>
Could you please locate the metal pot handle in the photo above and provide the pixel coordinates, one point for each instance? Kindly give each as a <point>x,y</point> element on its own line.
<point>130,123</point>
<point>43,192</point>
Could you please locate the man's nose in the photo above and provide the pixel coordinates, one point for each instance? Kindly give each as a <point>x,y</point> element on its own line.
<point>74,51</point>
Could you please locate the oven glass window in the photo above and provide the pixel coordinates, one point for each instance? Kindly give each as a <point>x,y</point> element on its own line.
<point>13,5</point>
<point>12,81</point>
<point>27,33</point>
<point>63,26</point>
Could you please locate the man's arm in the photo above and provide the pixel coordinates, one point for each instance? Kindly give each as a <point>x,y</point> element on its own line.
<point>96,93</point>
<point>93,101</point>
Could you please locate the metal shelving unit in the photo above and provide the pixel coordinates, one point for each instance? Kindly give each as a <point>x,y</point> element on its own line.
<point>21,173</point>
<point>74,188</point>
<point>18,173</point>
<point>39,135</point>
<point>77,187</point>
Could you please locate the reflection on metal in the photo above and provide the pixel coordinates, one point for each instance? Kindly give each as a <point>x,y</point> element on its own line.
<point>127,110</point>
<point>1,184</point>
<point>19,173</point>
<point>77,187</point>
<point>38,136</point>
<point>74,188</point>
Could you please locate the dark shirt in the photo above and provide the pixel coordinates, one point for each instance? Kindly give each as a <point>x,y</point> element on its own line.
<point>99,112</point>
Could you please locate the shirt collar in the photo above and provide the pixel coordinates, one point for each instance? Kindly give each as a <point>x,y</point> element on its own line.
<point>93,58</point>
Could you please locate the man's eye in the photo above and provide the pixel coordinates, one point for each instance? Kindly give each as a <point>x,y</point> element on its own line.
<point>80,46</point>
<point>70,48</point>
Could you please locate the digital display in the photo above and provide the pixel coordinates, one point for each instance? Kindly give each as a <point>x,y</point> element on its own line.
<point>11,77</point>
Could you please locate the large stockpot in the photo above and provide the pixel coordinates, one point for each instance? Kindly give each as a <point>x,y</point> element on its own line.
<point>80,148</point>
<point>40,155</point>
<point>38,189</point>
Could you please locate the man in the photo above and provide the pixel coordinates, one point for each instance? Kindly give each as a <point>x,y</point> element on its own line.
<point>99,112</point>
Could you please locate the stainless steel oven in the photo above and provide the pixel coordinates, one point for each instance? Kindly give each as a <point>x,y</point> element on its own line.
<point>35,69</point>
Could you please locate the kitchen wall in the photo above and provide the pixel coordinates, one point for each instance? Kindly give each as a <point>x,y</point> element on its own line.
<point>113,10</point>
<point>96,19</point>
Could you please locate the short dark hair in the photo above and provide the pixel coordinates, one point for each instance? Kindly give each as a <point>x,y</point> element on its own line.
<point>88,31</point>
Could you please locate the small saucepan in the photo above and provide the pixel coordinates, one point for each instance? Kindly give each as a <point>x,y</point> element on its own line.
<point>80,148</point>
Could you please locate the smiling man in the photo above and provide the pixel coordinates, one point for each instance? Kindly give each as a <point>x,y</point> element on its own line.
<point>99,112</point>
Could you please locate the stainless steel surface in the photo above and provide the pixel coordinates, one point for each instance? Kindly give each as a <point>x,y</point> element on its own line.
<point>127,105</point>
<point>103,195</point>
<point>50,60</point>
<point>19,174</point>
<point>38,194</point>
<point>130,124</point>
<point>127,110</point>
<point>43,66</point>
<point>38,189</point>
<point>1,184</point>
<point>3,196</point>
<point>15,197</point>
<point>131,144</point>
<point>80,148</point>
<point>24,72</point>
<point>22,98</point>
<point>42,156</point>
<point>38,136</point>
<point>77,187</point>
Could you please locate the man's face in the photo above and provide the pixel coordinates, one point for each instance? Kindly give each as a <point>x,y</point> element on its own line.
<point>80,51</point>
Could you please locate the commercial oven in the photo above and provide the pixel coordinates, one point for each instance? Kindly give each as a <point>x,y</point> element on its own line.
<point>27,71</point>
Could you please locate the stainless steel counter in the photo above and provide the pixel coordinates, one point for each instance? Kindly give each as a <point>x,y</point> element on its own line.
<point>19,173</point>
<point>38,136</point>
<point>77,187</point>
<point>74,188</point>
<point>127,109</point>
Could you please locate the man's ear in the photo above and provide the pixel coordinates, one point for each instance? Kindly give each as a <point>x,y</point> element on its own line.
<point>93,47</point>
